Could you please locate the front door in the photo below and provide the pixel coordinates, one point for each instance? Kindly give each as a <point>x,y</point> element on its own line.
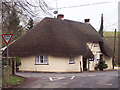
<point>13,67</point>
<point>84,64</point>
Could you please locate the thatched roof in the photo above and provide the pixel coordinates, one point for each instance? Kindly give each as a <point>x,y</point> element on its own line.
<point>89,54</point>
<point>56,37</point>
<point>105,49</point>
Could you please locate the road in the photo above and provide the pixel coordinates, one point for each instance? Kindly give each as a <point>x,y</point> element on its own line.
<point>99,79</point>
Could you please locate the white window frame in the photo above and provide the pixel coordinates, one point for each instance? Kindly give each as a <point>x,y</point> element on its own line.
<point>95,57</point>
<point>71,60</point>
<point>41,61</point>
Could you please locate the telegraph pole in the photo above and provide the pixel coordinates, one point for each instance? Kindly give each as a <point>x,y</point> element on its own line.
<point>113,61</point>
<point>56,11</point>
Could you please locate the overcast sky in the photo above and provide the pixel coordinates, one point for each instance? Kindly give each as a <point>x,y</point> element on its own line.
<point>91,9</point>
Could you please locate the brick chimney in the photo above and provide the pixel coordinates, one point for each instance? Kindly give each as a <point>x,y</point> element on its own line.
<point>60,16</point>
<point>87,21</point>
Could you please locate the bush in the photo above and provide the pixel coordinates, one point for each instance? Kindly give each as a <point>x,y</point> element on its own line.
<point>101,65</point>
<point>4,62</point>
<point>18,62</point>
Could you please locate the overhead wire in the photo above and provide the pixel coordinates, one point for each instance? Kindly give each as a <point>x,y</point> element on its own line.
<point>81,5</point>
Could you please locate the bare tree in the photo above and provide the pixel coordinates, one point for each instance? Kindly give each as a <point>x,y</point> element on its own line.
<point>28,9</point>
<point>25,8</point>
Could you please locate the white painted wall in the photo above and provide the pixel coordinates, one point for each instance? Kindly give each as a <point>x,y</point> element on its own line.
<point>108,61</point>
<point>56,64</point>
<point>97,51</point>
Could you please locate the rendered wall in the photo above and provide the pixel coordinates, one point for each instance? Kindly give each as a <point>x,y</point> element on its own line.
<point>108,61</point>
<point>55,65</point>
<point>96,50</point>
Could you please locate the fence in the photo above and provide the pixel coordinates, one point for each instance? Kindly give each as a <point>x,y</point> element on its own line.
<point>11,66</point>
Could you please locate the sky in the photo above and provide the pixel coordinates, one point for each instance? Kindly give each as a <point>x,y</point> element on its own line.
<point>85,9</point>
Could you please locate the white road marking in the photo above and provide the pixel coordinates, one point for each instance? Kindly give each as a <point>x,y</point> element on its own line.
<point>108,84</point>
<point>86,75</point>
<point>104,84</point>
<point>55,78</point>
<point>50,79</point>
<point>91,75</point>
<point>72,77</point>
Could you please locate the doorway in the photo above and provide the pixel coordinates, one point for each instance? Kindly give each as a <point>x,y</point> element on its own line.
<point>13,67</point>
<point>84,64</point>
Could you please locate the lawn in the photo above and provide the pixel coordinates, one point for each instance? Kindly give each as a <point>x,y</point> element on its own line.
<point>110,33</point>
<point>11,80</point>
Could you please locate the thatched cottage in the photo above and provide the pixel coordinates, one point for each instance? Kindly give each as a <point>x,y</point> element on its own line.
<point>56,45</point>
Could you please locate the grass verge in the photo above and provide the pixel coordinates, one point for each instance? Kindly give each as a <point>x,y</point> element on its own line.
<point>11,80</point>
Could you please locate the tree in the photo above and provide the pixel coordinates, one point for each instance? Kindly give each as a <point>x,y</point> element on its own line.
<point>101,26</point>
<point>11,23</point>
<point>101,65</point>
<point>20,11</point>
<point>24,9</point>
<point>30,24</point>
<point>29,8</point>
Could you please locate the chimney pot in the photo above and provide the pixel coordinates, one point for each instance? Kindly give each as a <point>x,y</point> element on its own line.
<point>87,21</point>
<point>61,16</point>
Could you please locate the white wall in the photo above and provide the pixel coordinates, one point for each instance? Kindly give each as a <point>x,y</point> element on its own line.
<point>108,61</point>
<point>97,51</point>
<point>56,64</point>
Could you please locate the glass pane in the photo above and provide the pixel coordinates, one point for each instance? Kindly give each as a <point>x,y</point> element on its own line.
<point>45,61</point>
<point>37,57</point>
<point>41,61</point>
<point>71,60</point>
<point>45,57</point>
<point>41,57</point>
<point>38,61</point>
<point>95,44</point>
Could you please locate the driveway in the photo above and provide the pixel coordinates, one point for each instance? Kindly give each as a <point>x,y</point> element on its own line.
<point>99,79</point>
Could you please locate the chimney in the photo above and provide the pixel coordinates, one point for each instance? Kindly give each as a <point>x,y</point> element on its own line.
<point>60,16</point>
<point>87,21</point>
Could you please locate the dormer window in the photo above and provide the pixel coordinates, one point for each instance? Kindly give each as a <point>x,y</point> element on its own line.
<point>95,44</point>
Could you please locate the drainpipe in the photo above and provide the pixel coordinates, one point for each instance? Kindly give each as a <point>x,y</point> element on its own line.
<point>80,67</point>
<point>88,64</point>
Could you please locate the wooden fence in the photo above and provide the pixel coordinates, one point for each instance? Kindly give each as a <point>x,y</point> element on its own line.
<point>11,66</point>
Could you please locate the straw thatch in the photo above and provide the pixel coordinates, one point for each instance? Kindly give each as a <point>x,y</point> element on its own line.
<point>56,37</point>
<point>105,49</point>
<point>89,54</point>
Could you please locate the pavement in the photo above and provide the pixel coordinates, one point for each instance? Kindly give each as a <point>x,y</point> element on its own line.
<point>100,79</point>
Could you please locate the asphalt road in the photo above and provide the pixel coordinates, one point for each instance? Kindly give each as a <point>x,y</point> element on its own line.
<point>100,79</point>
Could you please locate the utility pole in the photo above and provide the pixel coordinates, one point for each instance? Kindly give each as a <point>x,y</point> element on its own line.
<point>56,11</point>
<point>101,26</point>
<point>113,60</point>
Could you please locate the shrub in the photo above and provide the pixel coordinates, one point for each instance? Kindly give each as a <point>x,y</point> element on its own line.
<point>101,65</point>
<point>18,62</point>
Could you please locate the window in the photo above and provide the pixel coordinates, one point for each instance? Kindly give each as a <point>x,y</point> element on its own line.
<point>71,61</point>
<point>95,44</point>
<point>101,56</point>
<point>41,60</point>
<point>95,57</point>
